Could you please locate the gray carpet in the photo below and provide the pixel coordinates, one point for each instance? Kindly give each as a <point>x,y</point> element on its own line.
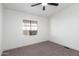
<point>41,49</point>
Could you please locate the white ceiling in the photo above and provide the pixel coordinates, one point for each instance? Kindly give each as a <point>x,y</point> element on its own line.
<point>37,10</point>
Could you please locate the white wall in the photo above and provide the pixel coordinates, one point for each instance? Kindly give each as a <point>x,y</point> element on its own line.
<point>13,36</point>
<point>0,28</point>
<point>64,27</point>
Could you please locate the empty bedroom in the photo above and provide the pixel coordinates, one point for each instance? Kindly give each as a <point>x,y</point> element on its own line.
<point>39,29</point>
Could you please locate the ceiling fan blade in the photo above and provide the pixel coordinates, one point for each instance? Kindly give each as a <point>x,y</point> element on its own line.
<point>43,8</point>
<point>54,4</point>
<point>35,4</point>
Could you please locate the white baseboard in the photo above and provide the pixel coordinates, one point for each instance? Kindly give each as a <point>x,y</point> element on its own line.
<point>25,45</point>
<point>64,45</point>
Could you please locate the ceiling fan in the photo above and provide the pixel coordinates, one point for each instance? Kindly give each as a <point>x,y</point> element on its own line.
<point>44,4</point>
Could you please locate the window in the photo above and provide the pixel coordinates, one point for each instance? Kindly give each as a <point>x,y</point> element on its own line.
<point>29,27</point>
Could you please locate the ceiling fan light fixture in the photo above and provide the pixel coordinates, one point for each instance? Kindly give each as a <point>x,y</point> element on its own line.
<point>44,4</point>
